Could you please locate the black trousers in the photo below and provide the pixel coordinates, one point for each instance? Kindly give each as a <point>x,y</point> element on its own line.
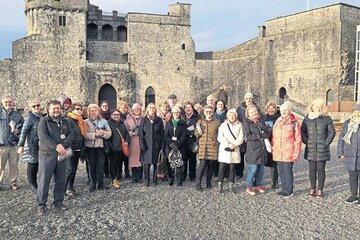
<point>216,168</point>
<point>137,174</point>
<point>354,177</point>
<point>317,172</point>
<point>32,171</point>
<point>189,162</point>
<point>204,164</point>
<point>147,172</point>
<point>124,161</point>
<point>116,159</point>
<point>107,165</point>
<point>96,158</point>
<point>274,172</point>
<point>224,169</point>
<point>177,173</point>
<point>71,169</point>
<point>239,168</point>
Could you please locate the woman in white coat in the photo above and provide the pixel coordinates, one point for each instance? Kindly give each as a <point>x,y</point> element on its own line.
<point>230,137</point>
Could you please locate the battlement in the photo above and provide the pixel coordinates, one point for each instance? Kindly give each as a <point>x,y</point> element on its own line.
<point>78,5</point>
<point>179,14</point>
<point>96,14</point>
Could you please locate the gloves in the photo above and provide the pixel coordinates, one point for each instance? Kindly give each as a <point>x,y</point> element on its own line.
<point>227,149</point>
<point>174,147</point>
<point>264,135</point>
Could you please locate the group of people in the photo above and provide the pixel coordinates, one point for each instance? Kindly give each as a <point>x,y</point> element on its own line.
<point>171,140</point>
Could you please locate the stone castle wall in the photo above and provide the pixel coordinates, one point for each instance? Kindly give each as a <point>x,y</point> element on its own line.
<point>161,53</point>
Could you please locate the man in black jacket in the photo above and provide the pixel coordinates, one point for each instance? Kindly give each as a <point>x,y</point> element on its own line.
<point>55,137</point>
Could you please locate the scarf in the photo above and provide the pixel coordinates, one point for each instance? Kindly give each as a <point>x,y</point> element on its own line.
<point>220,112</point>
<point>151,117</point>
<point>352,128</point>
<point>123,115</point>
<point>175,122</point>
<point>81,123</point>
<point>105,114</point>
<point>313,115</point>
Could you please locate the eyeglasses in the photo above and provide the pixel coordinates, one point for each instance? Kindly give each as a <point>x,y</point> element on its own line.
<point>116,114</point>
<point>34,106</point>
<point>77,109</point>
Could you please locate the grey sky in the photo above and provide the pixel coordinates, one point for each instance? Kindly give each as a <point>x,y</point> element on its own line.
<point>216,25</point>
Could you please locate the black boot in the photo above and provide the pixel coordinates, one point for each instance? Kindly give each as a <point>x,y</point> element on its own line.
<point>220,187</point>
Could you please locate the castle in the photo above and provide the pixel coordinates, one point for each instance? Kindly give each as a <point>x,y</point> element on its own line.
<point>74,48</point>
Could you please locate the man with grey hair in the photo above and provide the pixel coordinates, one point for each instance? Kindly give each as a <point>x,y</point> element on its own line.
<point>10,127</point>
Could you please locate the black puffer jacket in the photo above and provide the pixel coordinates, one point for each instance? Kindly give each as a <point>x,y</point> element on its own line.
<point>254,134</point>
<point>78,142</point>
<point>115,140</point>
<point>317,134</point>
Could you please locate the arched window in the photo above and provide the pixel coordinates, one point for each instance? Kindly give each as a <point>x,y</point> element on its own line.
<point>108,93</point>
<point>329,97</point>
<point>107,32</point>
<point>282,94</point>
<point>122,34</point>
<point>183,46</point>
<point>149,96</point>
<point>92,31</point>
<point>223,96</point>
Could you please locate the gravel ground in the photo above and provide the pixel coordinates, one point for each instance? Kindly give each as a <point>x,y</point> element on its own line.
<point>163,212</point>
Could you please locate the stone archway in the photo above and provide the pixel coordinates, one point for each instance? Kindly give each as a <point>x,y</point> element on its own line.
<point>149,96</point>
<point>108,93</point>
<point>282,94</point>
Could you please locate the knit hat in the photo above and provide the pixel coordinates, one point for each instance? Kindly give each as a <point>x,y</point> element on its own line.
<point>356,108</point>
<point>172,96</point>
<point>136,106</point>
<point>248,95</point>
<point>286,106</point>
<point>176,108</point>
<point>231,111</point>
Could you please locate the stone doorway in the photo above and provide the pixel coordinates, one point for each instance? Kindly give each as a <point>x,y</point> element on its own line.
<point>108,93</point>
<point>282,94</point>
<point>149,96</point>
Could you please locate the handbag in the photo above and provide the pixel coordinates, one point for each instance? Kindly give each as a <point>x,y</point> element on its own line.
<point>162,166</point>
<point>175,159</point>
<point>124,146</point>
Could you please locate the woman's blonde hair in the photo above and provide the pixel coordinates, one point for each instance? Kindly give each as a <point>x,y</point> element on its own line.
<point>150,105</point>
<point>32,102</point>
<point>269,104</point>
<point>124,103</point>
<point>319,102</point>
<point>93,105</point>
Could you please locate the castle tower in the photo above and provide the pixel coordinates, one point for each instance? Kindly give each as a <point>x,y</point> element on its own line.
<point>54,50</point>
<point>45,16</point>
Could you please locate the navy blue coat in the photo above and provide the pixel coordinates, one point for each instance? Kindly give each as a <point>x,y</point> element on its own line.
<point>30,135</point>
<point>351,152</point>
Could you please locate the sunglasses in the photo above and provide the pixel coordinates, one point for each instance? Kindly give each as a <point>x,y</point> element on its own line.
<point>77,109</point>
<point>34,106</point>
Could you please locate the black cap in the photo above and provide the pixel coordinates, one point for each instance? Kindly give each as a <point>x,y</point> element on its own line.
<point>172,96</point>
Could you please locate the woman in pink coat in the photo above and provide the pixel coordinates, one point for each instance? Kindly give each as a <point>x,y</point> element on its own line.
<point>132,124</point>
<point>286,144</point>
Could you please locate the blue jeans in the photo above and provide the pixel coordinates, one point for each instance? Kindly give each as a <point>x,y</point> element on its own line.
<point>257,172</point>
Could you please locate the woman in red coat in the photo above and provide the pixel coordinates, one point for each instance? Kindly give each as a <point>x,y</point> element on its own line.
<point>286,144</point>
